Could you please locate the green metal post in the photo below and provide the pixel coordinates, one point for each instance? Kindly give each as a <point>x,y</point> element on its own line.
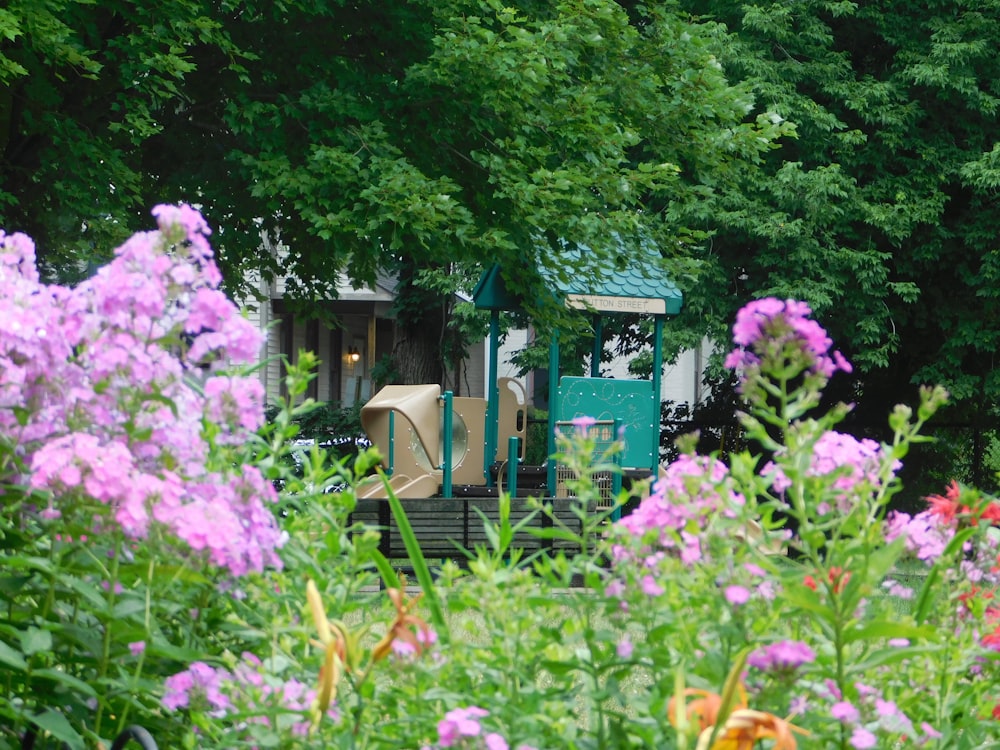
<point>492,401</point>
<point>595,357</point>
<point>446,449</point>
<point>657,374</point>
<point>512,462</point>
<point>616,476</point>
<point>553,409</point>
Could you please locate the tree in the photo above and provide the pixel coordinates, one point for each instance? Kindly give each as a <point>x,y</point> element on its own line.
<point>422,135</point>
<point>87,91</point>
<point>882,213</point>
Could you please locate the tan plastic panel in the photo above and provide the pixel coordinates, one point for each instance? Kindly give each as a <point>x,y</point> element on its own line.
<point>417,414</point>
<point>512,408</point>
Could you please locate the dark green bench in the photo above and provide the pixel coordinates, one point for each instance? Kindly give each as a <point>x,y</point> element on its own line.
<point>445,526</point>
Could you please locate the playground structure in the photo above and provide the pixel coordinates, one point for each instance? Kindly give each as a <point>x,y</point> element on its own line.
<point>434,444</point>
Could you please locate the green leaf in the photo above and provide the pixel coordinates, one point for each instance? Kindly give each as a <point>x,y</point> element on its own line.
<point>417,560</point>
<point>74,683</point>
<point>809,602</point>
<point>925,597</point>
<point>12,658</point>
<point>35,640</point>
<point>129,606</point>
<point>55,724</point>
<point>884,656</point>
<point>887,629</point>
<point>385,569</point>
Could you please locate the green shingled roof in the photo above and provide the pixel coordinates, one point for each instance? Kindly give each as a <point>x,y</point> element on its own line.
<point>585,281</point>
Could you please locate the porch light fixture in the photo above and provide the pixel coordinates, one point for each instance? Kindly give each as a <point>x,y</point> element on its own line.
<point>353,355</point>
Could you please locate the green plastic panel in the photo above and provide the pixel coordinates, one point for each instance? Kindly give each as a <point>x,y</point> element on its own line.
<point>629,401</point>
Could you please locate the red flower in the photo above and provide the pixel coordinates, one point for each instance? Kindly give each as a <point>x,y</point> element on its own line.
<point>946,507</point>
<point>839,578</point>
<point>992,513</point>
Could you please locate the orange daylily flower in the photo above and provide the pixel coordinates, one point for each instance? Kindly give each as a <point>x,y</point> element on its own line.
<point>745,727</point>
<point>741,729</point>
<point>333,642</point>
<point>342,651</point>
<point>705,708</point>
<point>402,627</point>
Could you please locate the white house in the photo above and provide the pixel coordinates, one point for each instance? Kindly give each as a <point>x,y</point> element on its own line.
<point>355,330</point>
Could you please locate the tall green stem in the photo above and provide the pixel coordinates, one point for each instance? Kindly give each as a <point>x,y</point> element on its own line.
<point>102,666</point>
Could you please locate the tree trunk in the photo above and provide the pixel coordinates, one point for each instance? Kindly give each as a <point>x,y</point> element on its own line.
<point>417,353</point>
<point>422,317</point>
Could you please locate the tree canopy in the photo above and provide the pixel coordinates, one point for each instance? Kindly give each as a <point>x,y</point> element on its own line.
<point>372,133</point>
<point>883,212</point>
<point>437,136</point>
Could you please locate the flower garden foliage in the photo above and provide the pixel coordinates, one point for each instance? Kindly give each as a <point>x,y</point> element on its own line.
<point>153,575</point>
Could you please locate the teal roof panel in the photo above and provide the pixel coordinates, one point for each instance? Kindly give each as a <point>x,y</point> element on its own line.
<point>631,282</point>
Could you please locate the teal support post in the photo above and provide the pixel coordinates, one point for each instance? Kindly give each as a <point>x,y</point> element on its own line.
<point>657,375</point>
<point>513,445</point>
<point>446,448</point>
<point>392,442</point>
<point>492,401</point>
<point>616,475</point>
<point>595,356</point>
<point>550,477</point>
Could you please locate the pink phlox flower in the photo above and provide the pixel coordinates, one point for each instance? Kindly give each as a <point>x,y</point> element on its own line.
<point>691,551</point>
<point>624,648</point>
<point>458,723</point>
<point>692,489</point>
<point>768,325</point>
<point>104,469</point>
<point>195,229</point>
<point>930,733</point>
<point>17,254</point>
<point>198,682</point>
<point>237,402</point>
<point>782,656</point>
<point>924,535</point>
<point>891,717</point>
<point>754,569</point>
<point>852,461</point>
<point>845,712</point>
<point>864,690</point>
<point>649,586</point>
<point>898,590</point>
<point>239,343</point>
<point>494,741</point>
<point>210,310</point>
<point>615,588</point>
<point>862,739</point>
<point>737,595</point>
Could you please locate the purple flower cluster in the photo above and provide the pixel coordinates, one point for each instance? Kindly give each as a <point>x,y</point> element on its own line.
<point>459,724</point>
<point>245,689</point>
<point>925,534</point>
<point>116,392</point>
<point>692,489</point>
<point>855,462</point>
<point>200,685</point>
<point>770,329</point>
<point>782,657</point>
<point>872,713</point>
